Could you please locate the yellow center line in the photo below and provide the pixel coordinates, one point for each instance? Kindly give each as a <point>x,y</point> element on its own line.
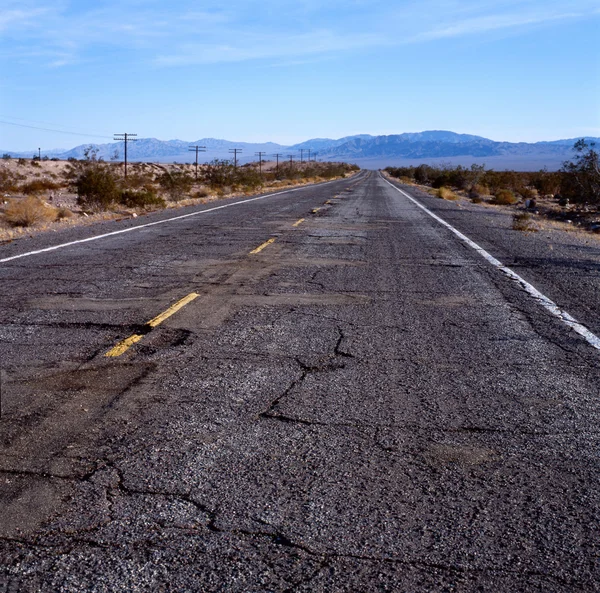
<point>315,210</point>
<point>298,222</point>
<point>123,346</point>
<point>172,309</point>
<point>261,247</point>
<point>328,202</point>
<point>127,343</point>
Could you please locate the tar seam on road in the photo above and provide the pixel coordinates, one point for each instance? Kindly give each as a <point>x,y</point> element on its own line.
<point>125,344</point>
<point>261,247</point>
<point>542,299</point>
<point>298,222</point>
<point>142,226</point>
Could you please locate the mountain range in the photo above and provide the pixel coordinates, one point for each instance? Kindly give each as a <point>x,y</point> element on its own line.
<point>434,147</point>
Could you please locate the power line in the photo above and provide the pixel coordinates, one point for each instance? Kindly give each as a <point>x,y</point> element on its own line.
<point>10,123</point>
<point>126,138</point>
<point>197,149</point>
<point>235,152</point>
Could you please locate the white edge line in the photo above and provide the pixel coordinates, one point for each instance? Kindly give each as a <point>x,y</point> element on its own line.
<point>141,226</point>
<point>542,299</point>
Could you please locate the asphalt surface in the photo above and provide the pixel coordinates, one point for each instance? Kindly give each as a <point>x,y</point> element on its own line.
<point>365,404</point>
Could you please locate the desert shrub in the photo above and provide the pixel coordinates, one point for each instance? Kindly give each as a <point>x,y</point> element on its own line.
<point>176,184</point>
<point>28,211</point>
<point>141,199</point>
<point>581,179</point>
<point>63,213</point>
<point>202,192</point>
<point>96,187</point>
<point>8,180</point>
<point>504,197</point>
<point>248,178</point>
<point>38,185</point>
<point>6,156</point>
<point>522,221</point>
<point>527,193</point>
<point>138,180</point>
<point>21,162</point>
<point>218,173</point>
<point>446,194</point>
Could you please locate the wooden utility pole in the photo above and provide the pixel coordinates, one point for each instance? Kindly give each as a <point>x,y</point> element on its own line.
<point>277,155</point>
<point>197,149</point>
<point>126,137</point>
<point>260,155</point>
<point>235,152</point>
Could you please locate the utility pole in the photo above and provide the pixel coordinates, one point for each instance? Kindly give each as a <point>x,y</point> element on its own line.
<point>315,155</point>
<point>39,154</point>
<point>309,155</point>
<point>235,152</point>
<point>126,138</point>
<point>277,155</point>
<point>302,151</point>
<point>291,161</point>
<point>260,155</point>
<point>197,149</point>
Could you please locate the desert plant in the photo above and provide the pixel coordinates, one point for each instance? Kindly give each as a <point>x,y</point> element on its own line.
<point>8,180</point>
<point>141,199</point>
<point>38,185</point>
<point>446,194</point>
<point>28,211</point>
<point>504,197</point>
<point>6,156</point>
<point>522,221</point>
<point>96,187</point>
<point>176,184</point>
<point>63,213</point>
<point>582,179</point>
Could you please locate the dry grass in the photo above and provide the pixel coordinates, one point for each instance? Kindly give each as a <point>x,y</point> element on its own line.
<point>446,194</point>
<point>28,212</point>
<point>504,197</point>
<point>522,221</point>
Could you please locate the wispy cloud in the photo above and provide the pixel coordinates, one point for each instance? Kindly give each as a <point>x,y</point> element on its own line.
<point>246,30</point>
<point>485,24</point>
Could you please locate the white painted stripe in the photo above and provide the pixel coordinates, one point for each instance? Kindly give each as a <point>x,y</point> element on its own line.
<point>143,226</point>
<point>543,300</point>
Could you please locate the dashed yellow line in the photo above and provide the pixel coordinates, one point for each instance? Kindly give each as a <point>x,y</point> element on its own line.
<point>315,210</point>
<point>127,343</point>
<point>172,309</point>
<point>328,202</point>
<point>298,222</point>
<point>123,346</point>
<point>261,247</point>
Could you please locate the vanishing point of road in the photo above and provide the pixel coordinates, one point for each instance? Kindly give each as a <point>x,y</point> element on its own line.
<point>344,387</point>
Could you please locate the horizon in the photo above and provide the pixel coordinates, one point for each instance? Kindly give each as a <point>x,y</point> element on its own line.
<point>501,69</point>
<point>57,149</point>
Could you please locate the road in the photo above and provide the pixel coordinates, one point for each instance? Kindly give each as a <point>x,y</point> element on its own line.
<point>351,398</point>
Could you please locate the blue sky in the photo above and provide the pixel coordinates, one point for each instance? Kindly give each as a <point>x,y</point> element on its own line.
<point>246,70</point>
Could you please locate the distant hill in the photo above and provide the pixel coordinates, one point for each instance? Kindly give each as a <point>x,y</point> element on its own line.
<point>435,147</point>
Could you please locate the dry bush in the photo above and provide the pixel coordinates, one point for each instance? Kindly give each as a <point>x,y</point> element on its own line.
<point>504,197</point>
<point>446,194</point>
<point>37,186</point>
<point>63,213</point>
<point>202,192</point>
<point>28,212</point>
<point>522,221</point>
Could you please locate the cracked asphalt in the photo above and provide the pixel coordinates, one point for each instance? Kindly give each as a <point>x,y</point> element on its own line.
<point>364,405</point>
